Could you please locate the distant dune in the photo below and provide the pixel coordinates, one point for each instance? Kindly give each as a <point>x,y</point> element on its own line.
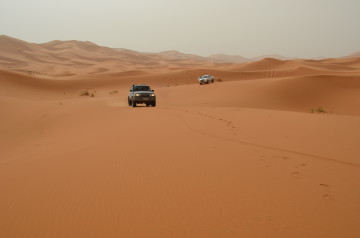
<point>354,55</point>
<point>66,58</point>
<point>271,149</point>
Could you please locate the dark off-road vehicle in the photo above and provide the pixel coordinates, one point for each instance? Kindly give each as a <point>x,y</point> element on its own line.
<point>141,93</point>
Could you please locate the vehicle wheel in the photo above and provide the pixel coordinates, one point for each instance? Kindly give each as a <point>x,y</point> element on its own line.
<point>147,104</point>
<point>129,102</point>
<point>133,104</point>
<point>212,81</point>
<point>154,104</point>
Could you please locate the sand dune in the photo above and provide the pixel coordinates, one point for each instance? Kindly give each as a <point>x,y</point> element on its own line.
<point>66,58</point>
<point>243,157</point>
<point>353,55</point>
<point>337,94</point>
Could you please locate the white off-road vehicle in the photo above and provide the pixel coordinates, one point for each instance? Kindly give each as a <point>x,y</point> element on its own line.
<point>205,79</point>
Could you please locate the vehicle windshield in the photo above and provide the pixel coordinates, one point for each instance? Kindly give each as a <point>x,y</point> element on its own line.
<point>141,88</point>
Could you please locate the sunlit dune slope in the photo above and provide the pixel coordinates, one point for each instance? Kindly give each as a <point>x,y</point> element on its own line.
<point>203,162</point>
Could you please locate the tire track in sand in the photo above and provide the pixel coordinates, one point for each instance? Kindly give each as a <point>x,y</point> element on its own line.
<point>183,120</point>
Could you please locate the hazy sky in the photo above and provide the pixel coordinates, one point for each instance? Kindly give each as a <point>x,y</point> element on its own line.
<point>302,28</point>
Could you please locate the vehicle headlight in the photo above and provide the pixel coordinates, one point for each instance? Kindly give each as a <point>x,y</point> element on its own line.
<point>137,94</point>
<point>152,95</point>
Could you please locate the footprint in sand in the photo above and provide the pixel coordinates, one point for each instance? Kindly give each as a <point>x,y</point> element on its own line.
<point>327,192</point>
<point>230,124</point>
<point>301,165</point>
<point>327,196</point>
<point>295,174</point>
<point>280,157</point>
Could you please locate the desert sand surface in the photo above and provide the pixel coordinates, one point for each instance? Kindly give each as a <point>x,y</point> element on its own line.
<point>247,156</point>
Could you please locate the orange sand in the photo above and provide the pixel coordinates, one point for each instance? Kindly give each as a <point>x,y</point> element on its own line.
<point>239,158</point>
